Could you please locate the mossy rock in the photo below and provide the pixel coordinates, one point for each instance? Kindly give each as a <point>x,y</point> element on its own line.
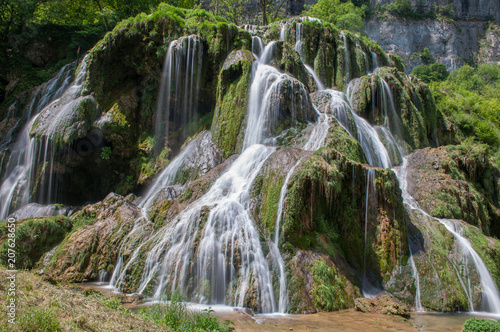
<point>34,237</point>
<point>405,106</point>
<point>94,242</point>
<point>326,211</point>
<point>228,126</point>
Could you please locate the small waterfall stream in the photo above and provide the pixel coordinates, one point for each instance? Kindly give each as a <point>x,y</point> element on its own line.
<point>368,289</point>
<point>29,156</point>
<point>418,304</point>
<point>179,88</point>
<point>490,295</point>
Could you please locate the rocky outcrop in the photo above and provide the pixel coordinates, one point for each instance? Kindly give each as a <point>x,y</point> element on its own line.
<point>385,304</point>
<point>94,242</point>
<point>228,127</point>
<point>449,42</point>
<point>327,210</point>
<point>402,104</point>
<point>456,182</point>
<point>470,10</point>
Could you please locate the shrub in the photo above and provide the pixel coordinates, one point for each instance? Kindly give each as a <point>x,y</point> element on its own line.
<point>344,15</point>
<point>435,72</point>
<point>328,287</point>
<point>35,237</point>
<point>481,325</point>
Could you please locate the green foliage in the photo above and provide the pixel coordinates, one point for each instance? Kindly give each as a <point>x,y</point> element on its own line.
<point>37,320</point>
<point>344,15</point>
<point>328,287</point>
<point>176,316</point>
<point>106,153</point>
<point>403,8</point>
<point>470,100</point>
<point>481,325</point>
<point>34,237</point>
<point>435,72</point>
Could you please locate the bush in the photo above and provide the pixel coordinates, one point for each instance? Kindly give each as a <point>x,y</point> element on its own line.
<point>34,237</point>
<point>344,15</point>
<point>481,325</point>
<point>435,72</point>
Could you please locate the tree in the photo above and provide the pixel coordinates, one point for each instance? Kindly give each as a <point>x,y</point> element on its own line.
<point>270,9</point>
<point>435,72</point>
<point>14,14</point>
<point>345,15</point>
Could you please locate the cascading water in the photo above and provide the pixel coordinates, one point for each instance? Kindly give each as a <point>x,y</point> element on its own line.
<point>490,295</point>
<point>359,128</point>
<point>298,37</point>
<point>317,80</point>
<point>167,176</point>
<point>283,31</point>
<point>299,32</point>
<point>418,304</point>
<point>347,59</point>
<point>375,60</point>
<point>179,87</point>
<point>29,157</point>
<point>217,230</point>
<point>370,209</point>
<point>392,122</point>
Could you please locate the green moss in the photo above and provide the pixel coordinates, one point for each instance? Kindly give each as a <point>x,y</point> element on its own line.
<point>328,290</point>
<point>34,237</point>
<point>233,89</point>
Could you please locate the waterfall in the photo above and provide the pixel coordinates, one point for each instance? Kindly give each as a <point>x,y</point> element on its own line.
<point>211,251</point>
<point>490,295</point>
<point>347,59</point>
<point>167,176</point>
<point>178,96</point>
<point>391,121</point>
<point>367,288</point>
<point>317,80</point>
<point>299,32</point>
<point>29,157</point>
<point>375,60</point>
<point>418,304</point>
<point>357,127</point>
<point>283,32</point>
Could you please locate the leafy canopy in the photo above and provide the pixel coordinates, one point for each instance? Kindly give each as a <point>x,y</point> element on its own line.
<point>344,15</point>
<point>435,72</point>
<point>470,100</point>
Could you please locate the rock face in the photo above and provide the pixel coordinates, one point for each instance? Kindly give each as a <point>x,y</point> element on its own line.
<point>455,182</point>
<point>482,10</point>
<point>448,42</point>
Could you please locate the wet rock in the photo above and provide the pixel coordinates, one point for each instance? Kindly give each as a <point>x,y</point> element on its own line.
<point>33,210</point>
<point>385,304</point>
<point>39,54</point>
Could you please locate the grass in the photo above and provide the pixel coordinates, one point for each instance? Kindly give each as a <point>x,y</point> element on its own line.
<point>176,316</point>
<point>45,307</point>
